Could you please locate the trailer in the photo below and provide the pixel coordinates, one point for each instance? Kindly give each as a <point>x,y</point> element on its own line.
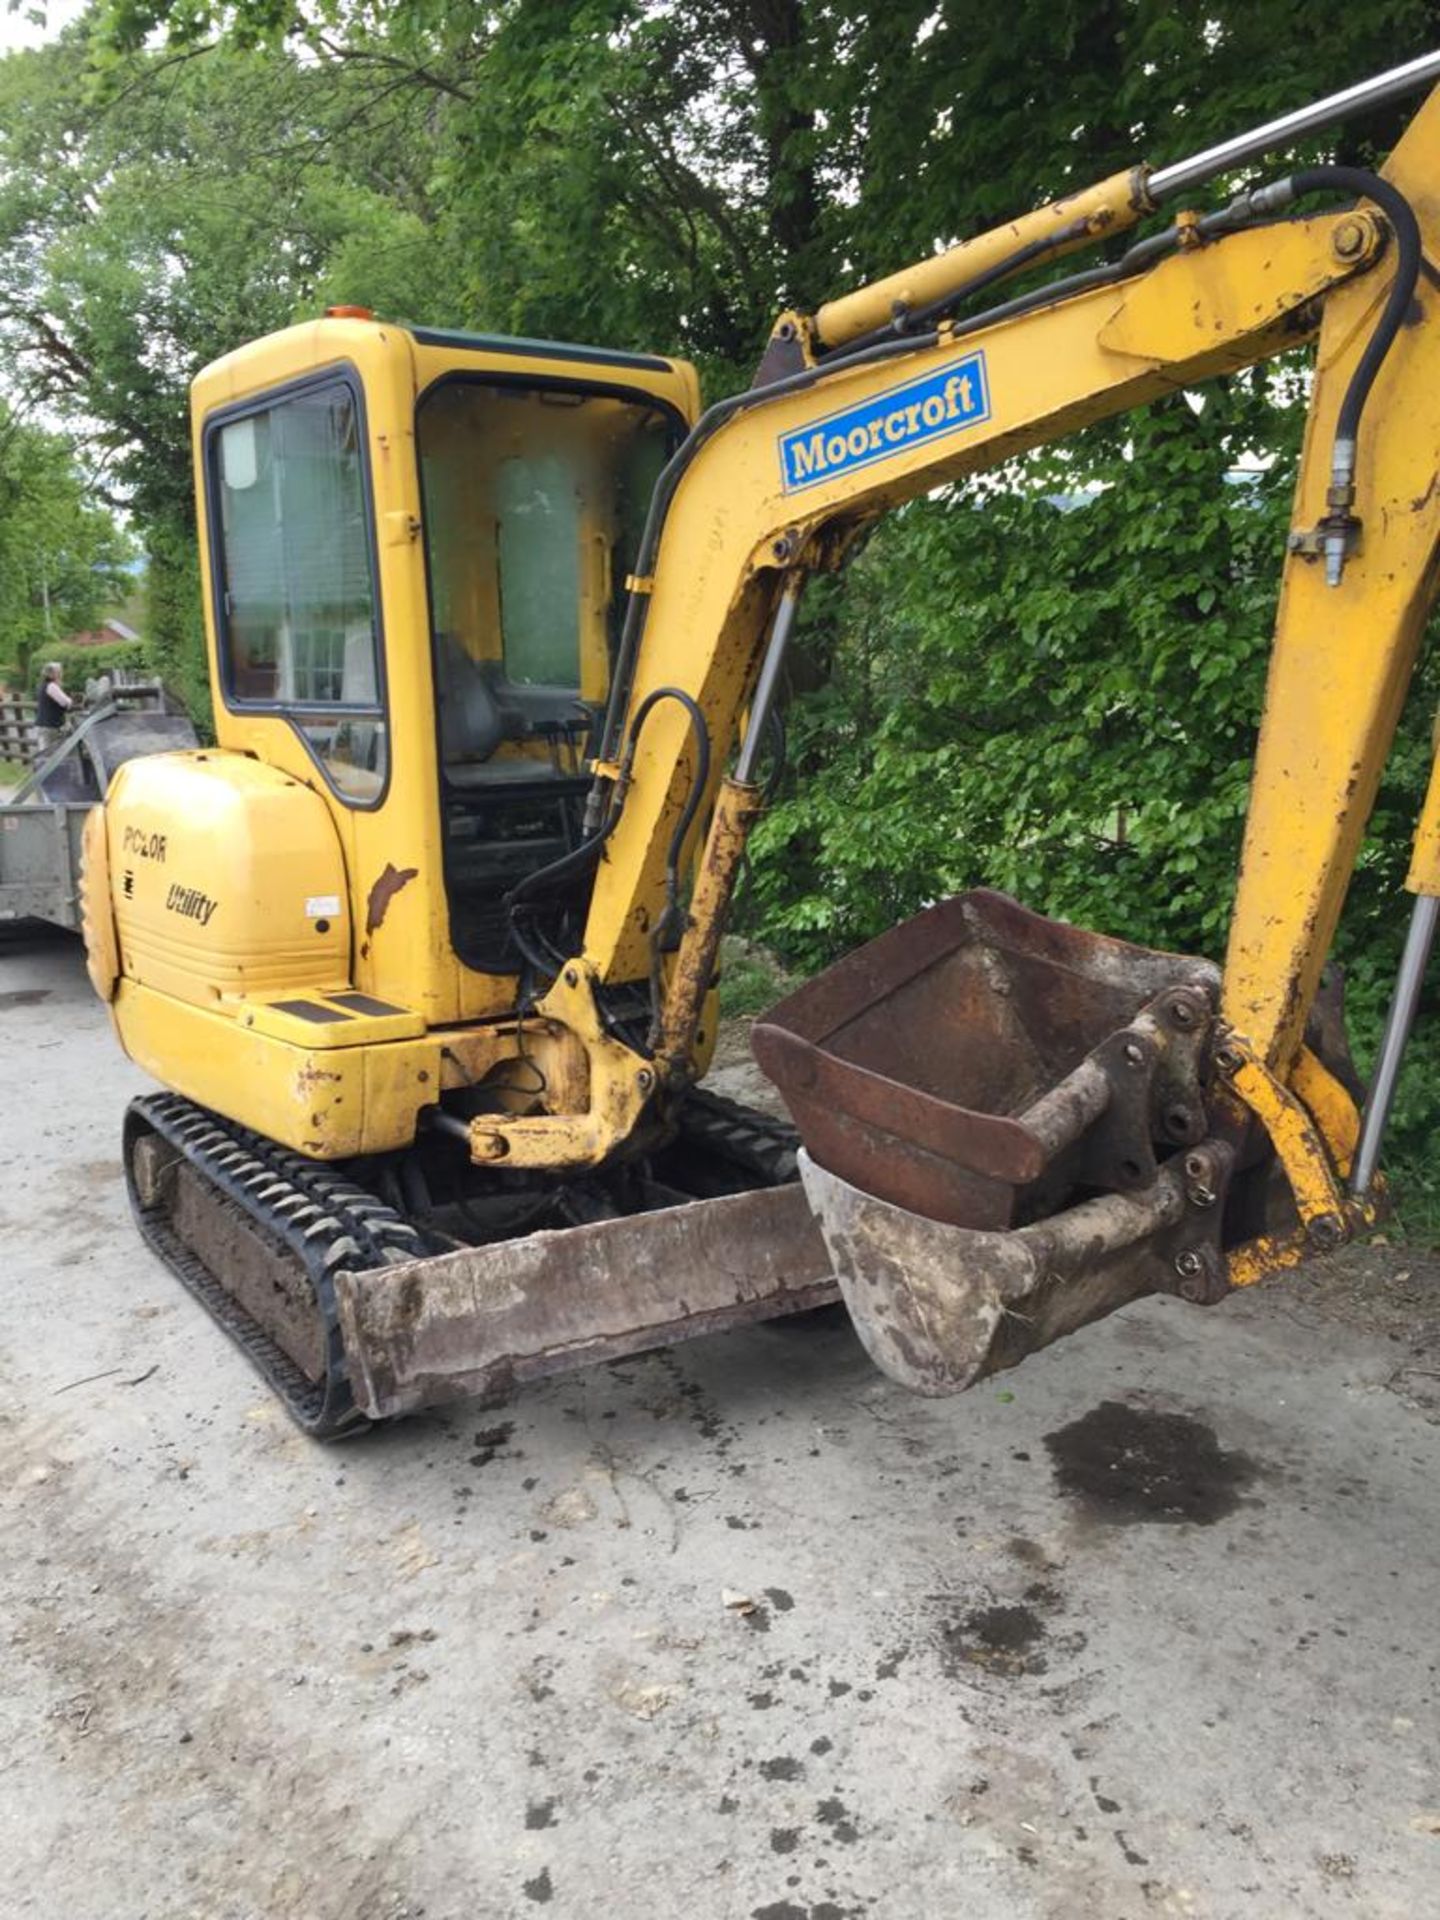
<point>41,823</point>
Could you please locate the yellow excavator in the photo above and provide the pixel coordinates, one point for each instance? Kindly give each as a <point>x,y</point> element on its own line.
<point>425,949</point>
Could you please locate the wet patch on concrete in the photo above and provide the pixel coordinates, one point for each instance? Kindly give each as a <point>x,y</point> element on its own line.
<point>1013,1637</point>
<point>790,1910</point>
<point>835,1815</point>
<point>541,1889</point>
<point>1129,1465</point>
<point>491,1442</point>
<point>1008,1640</point>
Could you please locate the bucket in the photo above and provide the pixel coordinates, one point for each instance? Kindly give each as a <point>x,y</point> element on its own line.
<point>980,1063</point>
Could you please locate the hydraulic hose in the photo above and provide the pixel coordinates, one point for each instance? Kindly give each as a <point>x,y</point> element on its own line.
<point>910,320</point>
<point>1340,522</point>
<point>580,858</point>
<point>697,785</point>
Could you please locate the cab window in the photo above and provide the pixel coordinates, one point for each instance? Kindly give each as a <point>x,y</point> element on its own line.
<point>534,500</point>
<point>297,603</point>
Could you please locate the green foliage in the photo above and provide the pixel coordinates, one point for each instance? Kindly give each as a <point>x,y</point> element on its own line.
<point>89,663</point>
<point>61,552</point>
<point>1414,1182</point>
<point>174,624</point>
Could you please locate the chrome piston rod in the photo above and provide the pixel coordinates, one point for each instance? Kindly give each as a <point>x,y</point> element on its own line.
<point>767,687</point>
<point>1401,1018</point>
<point>1165,182</point>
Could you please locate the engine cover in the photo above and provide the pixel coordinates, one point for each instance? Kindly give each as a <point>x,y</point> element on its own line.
<point>227,879</point>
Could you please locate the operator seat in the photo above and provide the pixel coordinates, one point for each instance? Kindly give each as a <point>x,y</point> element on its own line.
<point>471,723</point>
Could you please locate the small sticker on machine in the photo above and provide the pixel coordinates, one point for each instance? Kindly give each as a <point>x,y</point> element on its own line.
<point>320,906</point>
<point>888,423</point>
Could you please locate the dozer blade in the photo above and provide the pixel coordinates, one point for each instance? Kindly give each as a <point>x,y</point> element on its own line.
<point>1006,1132</point>
<point>480,1321</point>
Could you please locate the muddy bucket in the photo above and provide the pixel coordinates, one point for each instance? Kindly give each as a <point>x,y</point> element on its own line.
<point>998,1112</point>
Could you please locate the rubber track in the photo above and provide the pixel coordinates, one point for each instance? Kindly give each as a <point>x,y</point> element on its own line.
<point>324,1220</point>
<point>756,1141</point>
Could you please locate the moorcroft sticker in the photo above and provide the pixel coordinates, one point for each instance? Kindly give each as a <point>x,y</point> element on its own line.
<point>891,422</point>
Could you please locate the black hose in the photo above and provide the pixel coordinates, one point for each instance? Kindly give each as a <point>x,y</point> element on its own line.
<point>579,858</point>
<point>697,785</point>
<point>908,320</point>
<point>1406,228</point>
<point>541,965</point>
<point>565,867</point>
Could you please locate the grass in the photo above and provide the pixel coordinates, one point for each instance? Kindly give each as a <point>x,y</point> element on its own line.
<point>12,772</point>
<point>1414,1182</point>
<point>751,980</point>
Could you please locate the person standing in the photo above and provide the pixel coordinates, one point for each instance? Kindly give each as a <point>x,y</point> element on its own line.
<point>52,703</point>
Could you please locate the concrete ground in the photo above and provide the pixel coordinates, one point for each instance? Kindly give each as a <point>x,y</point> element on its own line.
<point>1145,1628</point>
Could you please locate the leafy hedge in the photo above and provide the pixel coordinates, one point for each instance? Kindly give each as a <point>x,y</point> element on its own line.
<point>79,664</point>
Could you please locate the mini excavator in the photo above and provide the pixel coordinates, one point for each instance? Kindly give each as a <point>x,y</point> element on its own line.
<point>424,951</point>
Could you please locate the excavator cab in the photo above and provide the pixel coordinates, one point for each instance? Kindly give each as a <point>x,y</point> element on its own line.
<point>418,545</point>
<point>415,549</point>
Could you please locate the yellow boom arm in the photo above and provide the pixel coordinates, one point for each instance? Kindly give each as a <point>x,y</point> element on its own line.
<point>779,487</point>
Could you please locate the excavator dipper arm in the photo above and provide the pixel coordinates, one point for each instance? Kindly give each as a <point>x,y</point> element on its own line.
<point>780,485</point>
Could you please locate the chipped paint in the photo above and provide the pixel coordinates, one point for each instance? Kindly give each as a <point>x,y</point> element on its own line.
<point>377,905</point>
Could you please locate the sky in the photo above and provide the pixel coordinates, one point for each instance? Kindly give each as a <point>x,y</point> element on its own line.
<point>17,30</point>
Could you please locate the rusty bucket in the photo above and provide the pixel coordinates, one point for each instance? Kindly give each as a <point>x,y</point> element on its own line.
<point>1003,1116</point>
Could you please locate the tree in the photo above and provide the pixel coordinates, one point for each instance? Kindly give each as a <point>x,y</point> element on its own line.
<point>62,555</point>
<point>161,219</point>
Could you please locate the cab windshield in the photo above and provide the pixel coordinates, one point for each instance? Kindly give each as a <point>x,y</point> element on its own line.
<point>534,501</point>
